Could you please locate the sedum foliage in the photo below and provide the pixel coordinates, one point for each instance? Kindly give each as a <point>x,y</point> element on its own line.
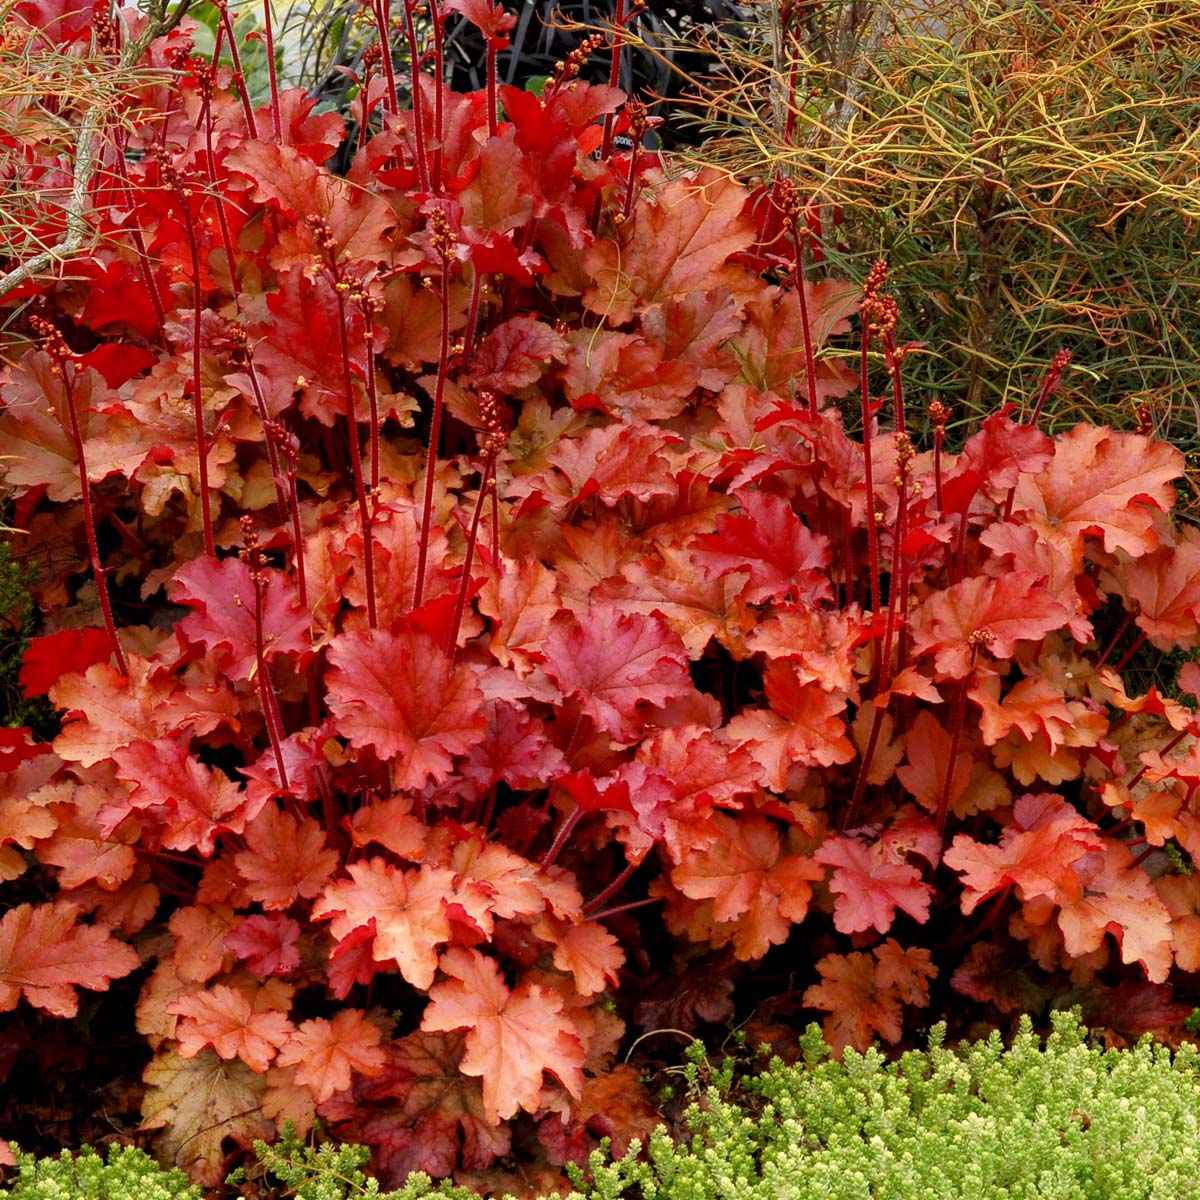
<point>128,1174</point>
<point>1066,1120</point>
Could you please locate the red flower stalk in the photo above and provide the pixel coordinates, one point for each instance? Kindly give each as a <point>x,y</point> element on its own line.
<point>442,239</point>
<point>379,10</point>
<point>268,699</point>
<point>980,637</point>
<point>418,101</point>
<point>614,70</point>
<point>269,33</point>
<point>876,315</point>
<point>239,76</point>
<point>492,442</point>
<point>64,368</point>
<point>183,188</point>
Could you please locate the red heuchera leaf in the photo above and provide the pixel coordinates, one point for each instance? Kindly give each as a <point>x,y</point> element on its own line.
<point>421,1112</point>
<point>1001,451</point>
<point>398,693</point>
<point>407,909</point>
<point>267,944</point>
<point>871,884</point>
<point>1105,483</point>
<point>327,1053</point>
<point>284,860</point>
<point>222,595</point>
<point>235,1024</point>
<point>70,651</point>
<point>46,954</point>
<point>1036,853</point>
<point>192,802</point>
<point>490,19</point>
<point>767,540</point>
<point>997,613</point>
<point>515,1036</point>
<point>615,662</point>
<point>17,746</point>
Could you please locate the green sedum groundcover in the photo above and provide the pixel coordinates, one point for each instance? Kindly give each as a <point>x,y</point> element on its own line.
<point>1063,1120</point>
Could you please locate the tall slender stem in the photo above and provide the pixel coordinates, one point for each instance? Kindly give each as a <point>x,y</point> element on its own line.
<point>269,31</point>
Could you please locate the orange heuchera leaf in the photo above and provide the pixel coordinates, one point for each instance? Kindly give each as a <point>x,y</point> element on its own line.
<point>233,1023</point>
<point>398,693</point>
<point>1165,588</point>
<point>751,882</point>
<point>1036,853</point>
<point>200,932</point>
<point>864,993</point>
<point>327,1053</point>
<point>46,954</point>
<point>802,726</point>
<point>680,239</point>
<point>1111,895</point>
<point>284,859</point>
<point>521,599</point>
<point>1005,611</point>
<point>407,909</point>
<point>106,709</point>
<point>591,954</point>
<point>514,1036</point>
<point>1181,895</point>
<point>871,884</point>
<point>1106,483</point>
<point>615,662</point>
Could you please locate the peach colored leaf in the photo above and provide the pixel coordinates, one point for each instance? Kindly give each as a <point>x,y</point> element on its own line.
<point>326,1054</point>
<point>200,931</point>
<point>514,1036</point>
<point>755,888</point>
<point>998,612</point>
<point>860,1007</point>
<point>407,909</point>
<point>679,241</point>
<point>398,693</point>
<point>46,954</point>
<point>1114,896</point>
<point>1103,482</point>
<point>591,954</point>
<point>803,725</point>
<point>284,859</point>
<point>233,1023</point>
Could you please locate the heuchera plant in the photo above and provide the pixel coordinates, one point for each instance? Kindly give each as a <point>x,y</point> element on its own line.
<point>466,607</point>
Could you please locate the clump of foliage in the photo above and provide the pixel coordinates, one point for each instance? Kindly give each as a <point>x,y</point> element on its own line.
<point>1027,170</point>
<point>466,597</point>
<point>126,1174</point>
<point>1067,1119</point>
